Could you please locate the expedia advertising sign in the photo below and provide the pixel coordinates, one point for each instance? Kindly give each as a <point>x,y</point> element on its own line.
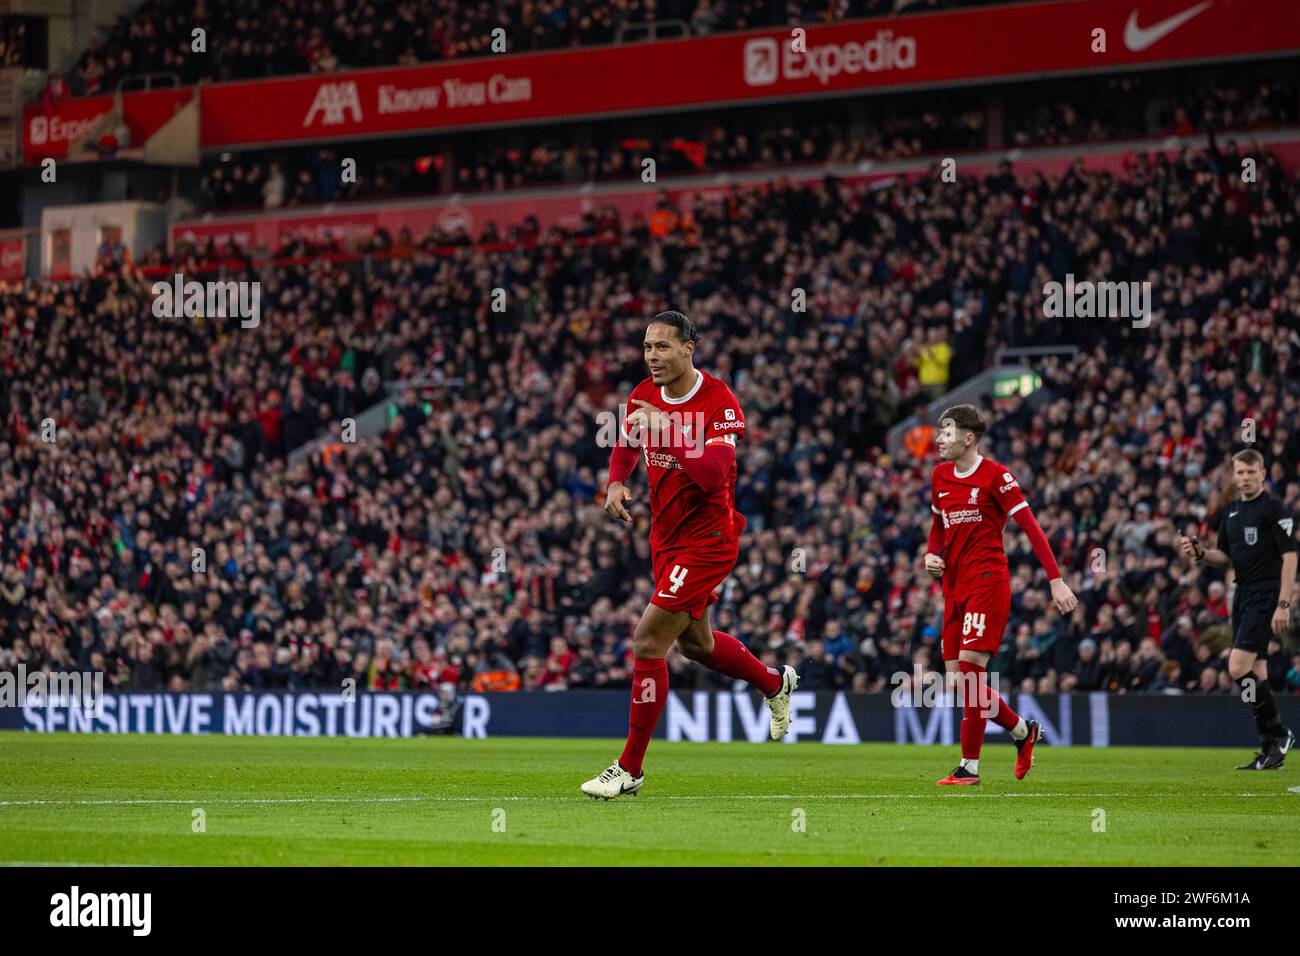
<point>1017,41</point>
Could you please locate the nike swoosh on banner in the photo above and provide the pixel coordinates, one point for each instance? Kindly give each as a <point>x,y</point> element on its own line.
<point>1138,38</point>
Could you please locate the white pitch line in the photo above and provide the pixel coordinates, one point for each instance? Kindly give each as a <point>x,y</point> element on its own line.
<point>35,863</point>
<point>290,801</point>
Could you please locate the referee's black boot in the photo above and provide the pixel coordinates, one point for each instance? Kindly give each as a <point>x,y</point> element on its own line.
<point>1256,762</point>
<point>1276,754</point>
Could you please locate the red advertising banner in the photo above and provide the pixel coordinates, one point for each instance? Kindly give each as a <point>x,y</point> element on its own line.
<point>1019,41</point>
<point>49,128</point>
<point>353,229</point>
<point>13,259</point>
<point>943,48</point>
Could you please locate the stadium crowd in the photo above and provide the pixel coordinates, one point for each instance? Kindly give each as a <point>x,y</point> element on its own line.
<point>247,40</point>
<point>1096,110</point>
<point>163,537</point>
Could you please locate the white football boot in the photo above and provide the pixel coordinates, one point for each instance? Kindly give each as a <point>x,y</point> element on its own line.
<point>613,782</point>
<point>779,703</point>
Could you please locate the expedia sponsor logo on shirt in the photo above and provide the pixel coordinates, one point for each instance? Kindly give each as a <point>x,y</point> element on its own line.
<point>1003,489</point>
<point>719,426</point>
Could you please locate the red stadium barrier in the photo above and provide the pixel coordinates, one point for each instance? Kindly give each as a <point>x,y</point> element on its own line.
<point>565,208</point>
<point>214,266</point>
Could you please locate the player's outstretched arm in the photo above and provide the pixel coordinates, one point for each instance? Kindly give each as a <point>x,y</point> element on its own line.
<point>1062,596</point>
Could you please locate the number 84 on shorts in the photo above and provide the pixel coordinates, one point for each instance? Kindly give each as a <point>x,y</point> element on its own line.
<point>976,620</point>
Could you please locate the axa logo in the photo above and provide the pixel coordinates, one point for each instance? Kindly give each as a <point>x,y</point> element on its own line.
<point>332,101</point>
<point>1138,38</point>
<point>766,60</point>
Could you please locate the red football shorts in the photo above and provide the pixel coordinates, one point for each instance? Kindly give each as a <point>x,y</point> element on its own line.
<point>976,619</point>
<point>689,579</point>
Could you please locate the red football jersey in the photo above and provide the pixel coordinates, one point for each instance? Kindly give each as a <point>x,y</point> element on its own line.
<point>974,507</point>
<point>681,513</point>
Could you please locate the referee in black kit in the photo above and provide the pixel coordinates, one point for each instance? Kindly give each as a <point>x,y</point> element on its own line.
<point>1257,541</point>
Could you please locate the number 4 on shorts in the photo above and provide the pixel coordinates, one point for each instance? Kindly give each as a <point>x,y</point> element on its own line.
<point>678,576</point>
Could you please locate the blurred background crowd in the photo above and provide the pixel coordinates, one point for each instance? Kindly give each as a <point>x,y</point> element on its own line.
<point>165,538</point>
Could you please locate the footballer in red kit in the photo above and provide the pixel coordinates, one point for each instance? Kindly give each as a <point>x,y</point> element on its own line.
<point>971,498</point>
<point>685,425</point>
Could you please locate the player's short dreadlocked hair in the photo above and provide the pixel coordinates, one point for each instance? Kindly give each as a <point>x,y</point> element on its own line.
<point>966,417</point>
<point>686,330</point>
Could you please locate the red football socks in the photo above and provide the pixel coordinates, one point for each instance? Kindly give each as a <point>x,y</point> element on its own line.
<point>973,714</point>
<point>732,658</point>
<point>980,702</point>
<point>1000,711</point>
<point>649,695</point>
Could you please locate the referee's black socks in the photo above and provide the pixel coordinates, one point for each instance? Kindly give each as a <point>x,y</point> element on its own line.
<point>1264,707</point>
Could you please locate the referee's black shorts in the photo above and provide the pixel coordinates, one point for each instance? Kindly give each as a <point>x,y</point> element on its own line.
<point>1252,616</point>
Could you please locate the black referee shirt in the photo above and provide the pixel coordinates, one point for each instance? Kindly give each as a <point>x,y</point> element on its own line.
<point>1255,534</point>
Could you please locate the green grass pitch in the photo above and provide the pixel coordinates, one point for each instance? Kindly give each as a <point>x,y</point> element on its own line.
<point>67,798</point>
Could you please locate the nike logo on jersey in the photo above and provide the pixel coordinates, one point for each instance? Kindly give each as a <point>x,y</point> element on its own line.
<point>662,595</point>
<point>942,493</point>
<point>1138,38</point>
<point>967,640</point>
<point>1232,514</point>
